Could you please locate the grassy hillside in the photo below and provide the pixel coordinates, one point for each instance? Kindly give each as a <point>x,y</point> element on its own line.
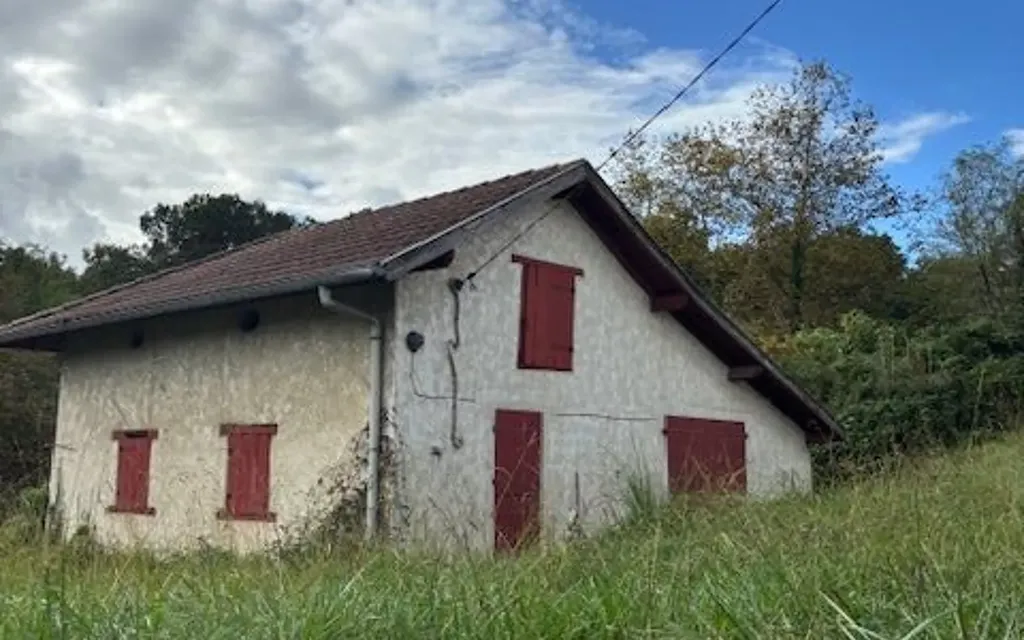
<point>940,544</point>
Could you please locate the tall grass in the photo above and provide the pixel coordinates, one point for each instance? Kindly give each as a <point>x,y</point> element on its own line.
<point>934,550</point>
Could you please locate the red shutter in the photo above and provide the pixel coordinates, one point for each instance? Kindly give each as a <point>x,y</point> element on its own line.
<point>705,455</point>
<point>132,483</point>
<point>531,326</point>
<point>248,476</point>
<point>547,315</point>
<point>561,298</point>
<point>517,460</point>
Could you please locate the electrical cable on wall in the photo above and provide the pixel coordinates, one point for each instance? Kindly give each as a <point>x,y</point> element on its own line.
<point>419,392</point>
<point>455,286</point>
<point>414,341</point>
<point>605,416</point>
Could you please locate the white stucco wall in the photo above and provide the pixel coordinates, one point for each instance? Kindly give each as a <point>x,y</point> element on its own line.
<point>302,368</point>
<point>602,421</point>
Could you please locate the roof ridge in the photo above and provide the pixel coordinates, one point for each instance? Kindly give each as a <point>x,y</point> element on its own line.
<point>556,170</point>
<point>438,194</point>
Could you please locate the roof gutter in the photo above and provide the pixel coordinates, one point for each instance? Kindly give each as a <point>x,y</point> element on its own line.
<point>328,302</point>
<point>14,333</point>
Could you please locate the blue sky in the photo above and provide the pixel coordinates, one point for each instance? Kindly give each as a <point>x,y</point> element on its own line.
<point>904,56</point>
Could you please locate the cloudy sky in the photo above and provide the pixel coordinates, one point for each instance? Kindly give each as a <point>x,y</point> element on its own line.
<point>325,106</point>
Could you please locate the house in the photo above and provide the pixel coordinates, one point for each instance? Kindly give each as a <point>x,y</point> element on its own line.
<point>469,369</point>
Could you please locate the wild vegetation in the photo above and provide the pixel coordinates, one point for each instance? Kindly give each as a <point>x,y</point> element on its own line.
<point>776,215</point>
<point>914,349</point>
<point>935,545</point>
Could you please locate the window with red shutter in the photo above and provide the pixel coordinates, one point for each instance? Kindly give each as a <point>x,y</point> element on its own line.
<point>131,492</point>
<point>547,310</point>
<point>247,495</point>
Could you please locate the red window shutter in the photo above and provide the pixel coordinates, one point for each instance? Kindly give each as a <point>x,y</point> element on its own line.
<point>561,299</point>
<point>247,495</point>
<point>132,483</point>
<point>705,455</point>
<point>547,310</point>
<point>531,325</point>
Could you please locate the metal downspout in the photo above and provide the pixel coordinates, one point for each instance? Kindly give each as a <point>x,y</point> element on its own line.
<point>328,302</point>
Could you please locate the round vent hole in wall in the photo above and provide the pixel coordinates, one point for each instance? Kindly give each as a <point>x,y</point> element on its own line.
<point>248,320</point>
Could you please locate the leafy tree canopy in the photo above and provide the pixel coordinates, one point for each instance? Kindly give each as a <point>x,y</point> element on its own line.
<point>179,233</point>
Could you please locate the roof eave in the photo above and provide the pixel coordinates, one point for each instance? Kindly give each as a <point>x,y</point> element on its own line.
<point>34,336</point>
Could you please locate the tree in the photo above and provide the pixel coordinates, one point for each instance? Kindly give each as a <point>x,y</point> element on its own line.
<point>30,280</point>
<point>943,289</point>
<point>205,224</point>
<point>180,233</point>
<point>680,221</point>
<point>28,413</point>
<point>687,244</point>
<point>803,163</point>
<point>110,264</point>
<point>983,222</point>
<point>849,269</point>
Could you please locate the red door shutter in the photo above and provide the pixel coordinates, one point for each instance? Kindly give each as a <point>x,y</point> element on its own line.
<point>517,460</point>
<point>705,455</point>
<point>248,476</point>
<point>132,482</point>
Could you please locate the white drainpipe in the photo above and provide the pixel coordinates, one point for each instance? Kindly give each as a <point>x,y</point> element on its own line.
<point>327,301</point>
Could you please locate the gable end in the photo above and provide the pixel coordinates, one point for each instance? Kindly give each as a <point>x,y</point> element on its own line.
<point>668,287</point>
<point>671,290</point>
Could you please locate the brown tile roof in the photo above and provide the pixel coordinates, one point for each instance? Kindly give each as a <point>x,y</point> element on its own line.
<point>326,250</point>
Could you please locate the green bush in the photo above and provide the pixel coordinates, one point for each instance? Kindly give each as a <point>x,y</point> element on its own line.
<point>23,516</point>
<point>899,392</point>
<point>28,412</point>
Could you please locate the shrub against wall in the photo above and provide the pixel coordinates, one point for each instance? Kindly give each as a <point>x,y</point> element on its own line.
<point>28,408</point>
<point>898,391</point>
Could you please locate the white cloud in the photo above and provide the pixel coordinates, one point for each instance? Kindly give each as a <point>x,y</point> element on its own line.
<point>902,140</point>
<point>1015,138</point>
<point>315,106</point>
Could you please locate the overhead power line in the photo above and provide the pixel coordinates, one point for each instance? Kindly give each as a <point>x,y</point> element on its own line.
<point>697,78</point>
<point>633,136</point>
